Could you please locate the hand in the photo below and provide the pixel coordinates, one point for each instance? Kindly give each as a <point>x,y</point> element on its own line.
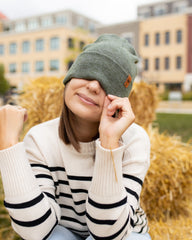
<point>12,119</point>
<point>111,128</point>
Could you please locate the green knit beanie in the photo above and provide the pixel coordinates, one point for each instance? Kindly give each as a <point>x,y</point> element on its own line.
<point>111,60</point>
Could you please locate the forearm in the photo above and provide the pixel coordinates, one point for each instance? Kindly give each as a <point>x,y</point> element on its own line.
<point>108,211</point>
<point>33,214</point>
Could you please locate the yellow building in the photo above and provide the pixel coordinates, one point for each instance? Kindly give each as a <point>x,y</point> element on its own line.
<point>33,47</point>
<point>163,48</point>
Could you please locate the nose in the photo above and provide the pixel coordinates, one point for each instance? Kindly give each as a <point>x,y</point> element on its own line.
<point>94,86</point>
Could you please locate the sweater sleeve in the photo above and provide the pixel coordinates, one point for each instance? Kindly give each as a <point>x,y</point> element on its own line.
<point>33,211</point>
<point>112,203</point>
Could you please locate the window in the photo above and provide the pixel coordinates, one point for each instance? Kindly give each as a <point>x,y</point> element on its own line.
<point>146,64</point>
<point>179,6</point>
<point>167,63</point>
<point>12,48</point>
<point>160,10</point>
<point>179,36</point>
<point>33,24</point>
<point>39,66</point>
<point>20,27</point>
<point>157,38</point>
<point>81,45</point>
<point>12,67</point>
<point>167,37</point>
<point>25,67</point>
<point>144,12</point>
<point>2,49</point>
<point>157,63</point>
<point>80,22</point>
<point>91,27</point>
<point>47,21</point>
<point>39,45</point>
<point>70,43</point>
<point>146,40</point>
<point>178,62</point>
<point>61,19</point>
<point>70,63</point>
<point>54,65</point>
<point>54,43</point>
<point>25,46</point>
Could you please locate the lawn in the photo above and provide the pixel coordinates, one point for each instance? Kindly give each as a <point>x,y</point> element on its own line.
<point>175,124</point>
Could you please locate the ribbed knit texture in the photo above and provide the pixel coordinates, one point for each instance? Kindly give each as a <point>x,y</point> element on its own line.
<point>76,190</point>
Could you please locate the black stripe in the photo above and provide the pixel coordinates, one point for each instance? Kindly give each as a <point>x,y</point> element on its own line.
<point>79,190</point>
<point>132,223</point>
<point>52,169</point>
<point>49,195</point>
<point>71,208</point>
<point>34,222</point>
<point>112,236</point>
<point>143,228</point>
<point>132,193</point>
<point>107,206</point>
<point>39,165</point>
<point>43,176</point>
<point>70,196</point>
<point>73,220</point>
<point>138,180</point>
<point>99,221</point>
<point>79,178</point>
<point>50,231</point>
<point>64,195</point>
<point>64,182</point>
<point>24,204</point>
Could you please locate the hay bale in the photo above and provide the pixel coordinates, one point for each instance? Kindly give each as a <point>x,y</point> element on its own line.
<point>144,101</point>
<point>168,185</point>
<point>172,229</point>
<point>43,99</point>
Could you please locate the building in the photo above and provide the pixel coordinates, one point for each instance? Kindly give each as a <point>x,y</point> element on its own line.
<point>128,30</point>
<point>165,42</point>
<point>43,45</point>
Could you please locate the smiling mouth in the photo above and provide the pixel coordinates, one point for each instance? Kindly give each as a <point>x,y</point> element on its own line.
<point>87,100</point>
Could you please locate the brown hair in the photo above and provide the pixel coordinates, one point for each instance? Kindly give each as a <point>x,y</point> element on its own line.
<point>67,126</point>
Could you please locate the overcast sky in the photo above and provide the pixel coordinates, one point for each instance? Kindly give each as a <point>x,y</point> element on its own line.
<point>104,11</point>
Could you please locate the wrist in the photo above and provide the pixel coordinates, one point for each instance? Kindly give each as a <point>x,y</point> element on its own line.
<point>5,145</point>
<point>109,142</point>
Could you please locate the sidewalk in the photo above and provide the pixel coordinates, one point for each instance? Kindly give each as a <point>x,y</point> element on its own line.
<point>184,107</point>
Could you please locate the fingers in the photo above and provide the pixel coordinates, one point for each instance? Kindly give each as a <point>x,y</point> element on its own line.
<point>117,103</point>
<point>12,110</point>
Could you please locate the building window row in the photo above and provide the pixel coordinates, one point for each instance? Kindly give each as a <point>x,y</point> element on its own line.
<point>166,36</point>
<point>49,21</point>
<point>39,45</point>
<point>157,61</point>
<point>39,66</point>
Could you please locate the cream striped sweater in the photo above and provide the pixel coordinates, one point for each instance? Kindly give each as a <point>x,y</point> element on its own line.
<point>58,185</point>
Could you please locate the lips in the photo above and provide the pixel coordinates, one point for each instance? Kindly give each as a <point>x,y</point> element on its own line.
<point>86,99</point>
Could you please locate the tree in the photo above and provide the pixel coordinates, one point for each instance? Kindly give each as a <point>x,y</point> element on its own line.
<point>4,84</point>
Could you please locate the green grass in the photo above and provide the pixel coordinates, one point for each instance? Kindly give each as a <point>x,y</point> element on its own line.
<point>175,124</point>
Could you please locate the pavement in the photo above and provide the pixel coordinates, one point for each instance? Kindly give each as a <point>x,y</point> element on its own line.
<point>182,107</point>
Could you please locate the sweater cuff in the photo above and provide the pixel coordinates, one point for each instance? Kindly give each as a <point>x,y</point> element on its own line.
<point>17,176</point>
<point>107,176</point>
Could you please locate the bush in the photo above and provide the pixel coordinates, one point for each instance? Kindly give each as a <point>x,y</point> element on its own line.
<point>187,96</point>
<point>4,84</point>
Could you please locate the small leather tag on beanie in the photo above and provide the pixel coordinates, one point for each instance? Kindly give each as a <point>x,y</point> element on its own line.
<point>128,80</point>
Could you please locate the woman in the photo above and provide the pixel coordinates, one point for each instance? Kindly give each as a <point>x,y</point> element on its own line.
<point>80,176</point>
